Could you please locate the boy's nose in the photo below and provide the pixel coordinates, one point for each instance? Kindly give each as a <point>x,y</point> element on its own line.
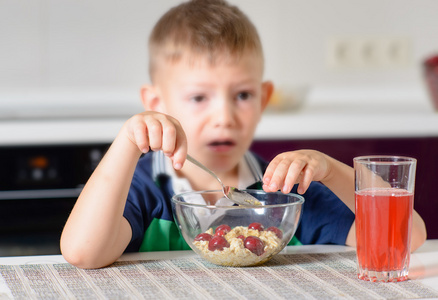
<point>224,114</point>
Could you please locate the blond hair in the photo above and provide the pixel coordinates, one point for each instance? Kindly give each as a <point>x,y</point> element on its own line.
<point>211,28</point>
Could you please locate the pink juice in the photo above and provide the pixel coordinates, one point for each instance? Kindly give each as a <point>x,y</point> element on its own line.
<point>383,229</point>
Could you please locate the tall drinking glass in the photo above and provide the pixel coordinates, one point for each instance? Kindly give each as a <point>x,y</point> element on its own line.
<point>384,204</point>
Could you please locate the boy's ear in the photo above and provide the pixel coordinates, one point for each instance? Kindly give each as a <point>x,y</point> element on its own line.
<point>150,98</point>
<point>267,90</point>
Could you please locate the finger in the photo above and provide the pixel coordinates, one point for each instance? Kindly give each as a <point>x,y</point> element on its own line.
<point>155,132</point>
<point>291,179</point>
<point>141,137</point>
<point>270,170</point>
<point>180,153</point>
<point>306,179</point>
<point>169,137</point>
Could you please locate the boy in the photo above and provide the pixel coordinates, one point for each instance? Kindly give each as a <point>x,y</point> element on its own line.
<point>206,98</point>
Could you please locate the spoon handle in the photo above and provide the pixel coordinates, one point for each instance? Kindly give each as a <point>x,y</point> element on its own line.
<point>197,163</point>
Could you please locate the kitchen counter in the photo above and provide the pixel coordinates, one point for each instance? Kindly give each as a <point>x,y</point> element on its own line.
<point>309,122</point>
<point>354,113</point>
<point>346,124</point>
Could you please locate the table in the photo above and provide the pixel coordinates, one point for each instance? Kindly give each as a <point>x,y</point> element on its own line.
<point>29,276</point>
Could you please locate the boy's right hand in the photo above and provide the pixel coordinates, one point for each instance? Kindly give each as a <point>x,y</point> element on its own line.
<point>154,131</point>
<point>96,232</point>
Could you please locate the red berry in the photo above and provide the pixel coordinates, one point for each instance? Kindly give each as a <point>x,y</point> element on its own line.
<point>254,244</point>
<point>218,243</point>
<point>203,237</point>
<point>241,237</point>
<point>256,226</point>
<point>277,231</point>
<point>221,232</point>
<point>223,227</point>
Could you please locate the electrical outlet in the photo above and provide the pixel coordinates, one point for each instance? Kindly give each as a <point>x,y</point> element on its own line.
<point>356,52</point>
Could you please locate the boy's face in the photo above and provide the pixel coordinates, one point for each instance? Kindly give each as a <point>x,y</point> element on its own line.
<point>218,105</point>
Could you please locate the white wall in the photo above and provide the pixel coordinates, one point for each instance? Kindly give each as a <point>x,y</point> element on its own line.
<point>67,52</point>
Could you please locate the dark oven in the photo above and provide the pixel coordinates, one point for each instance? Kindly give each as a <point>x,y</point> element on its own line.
<point>39,185</point>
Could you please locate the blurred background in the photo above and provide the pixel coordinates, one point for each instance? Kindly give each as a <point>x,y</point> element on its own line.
<point>349,76</point>
<point>93,53</point>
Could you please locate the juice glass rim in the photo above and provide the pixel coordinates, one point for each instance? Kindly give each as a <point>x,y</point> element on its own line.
<point>385,159</point>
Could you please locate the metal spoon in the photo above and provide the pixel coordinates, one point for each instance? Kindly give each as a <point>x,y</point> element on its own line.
<point>232,193</point>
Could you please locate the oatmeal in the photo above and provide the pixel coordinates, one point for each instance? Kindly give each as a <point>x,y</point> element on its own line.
<point>240,246</point>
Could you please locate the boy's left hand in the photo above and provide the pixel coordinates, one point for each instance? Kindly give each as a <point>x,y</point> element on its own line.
<point>289,168</point>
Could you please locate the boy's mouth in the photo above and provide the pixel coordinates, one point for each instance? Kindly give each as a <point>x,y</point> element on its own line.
<point>221,145</point>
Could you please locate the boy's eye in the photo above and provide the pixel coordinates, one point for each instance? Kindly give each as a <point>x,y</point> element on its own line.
<point>198,98</point>
<point>243,96</point>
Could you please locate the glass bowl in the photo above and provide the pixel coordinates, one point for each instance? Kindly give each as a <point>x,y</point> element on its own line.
<point>231,235</point>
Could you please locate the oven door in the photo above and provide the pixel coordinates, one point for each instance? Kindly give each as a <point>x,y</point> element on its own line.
<point>39,186</point>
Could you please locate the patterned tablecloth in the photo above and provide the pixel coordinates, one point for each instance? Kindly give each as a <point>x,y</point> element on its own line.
<point>288,276</point>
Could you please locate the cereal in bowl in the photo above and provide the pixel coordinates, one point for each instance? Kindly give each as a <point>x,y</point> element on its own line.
<point>240,246</point>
